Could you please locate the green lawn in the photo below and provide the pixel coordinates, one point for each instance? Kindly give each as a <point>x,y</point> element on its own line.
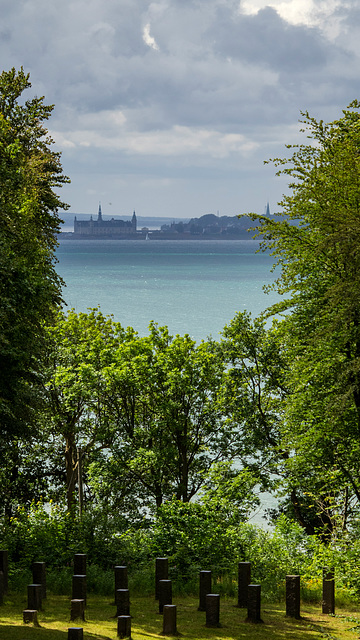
<point>147,623</point>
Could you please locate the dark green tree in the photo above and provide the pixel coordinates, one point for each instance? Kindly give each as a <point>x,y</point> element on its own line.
<point>30,289</point>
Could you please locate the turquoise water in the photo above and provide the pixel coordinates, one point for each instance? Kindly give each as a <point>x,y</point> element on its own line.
<point>193,287</point>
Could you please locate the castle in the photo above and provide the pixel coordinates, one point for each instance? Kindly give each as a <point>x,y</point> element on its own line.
<point>106,228</point>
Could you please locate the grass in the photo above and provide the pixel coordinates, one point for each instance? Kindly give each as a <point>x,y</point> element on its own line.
<point>147,622</point>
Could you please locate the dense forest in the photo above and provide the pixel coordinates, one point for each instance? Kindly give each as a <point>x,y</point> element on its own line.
<point>130,446</point>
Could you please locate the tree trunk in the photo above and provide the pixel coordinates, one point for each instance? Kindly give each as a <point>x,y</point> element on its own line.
<point>70,466</point>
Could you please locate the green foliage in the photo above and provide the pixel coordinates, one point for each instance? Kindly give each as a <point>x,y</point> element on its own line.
<point>30,289</point>
<point>315,240</point>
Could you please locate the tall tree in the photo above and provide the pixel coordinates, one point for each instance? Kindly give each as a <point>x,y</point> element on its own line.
<point>30,289</point>
<point>316,242</point>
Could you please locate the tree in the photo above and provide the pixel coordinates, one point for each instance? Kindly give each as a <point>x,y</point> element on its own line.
<point>167,423</point>
<point>80,348</point>
<point>316,240</point>
<point>30,289</point>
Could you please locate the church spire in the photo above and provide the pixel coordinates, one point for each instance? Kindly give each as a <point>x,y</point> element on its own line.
<point>99,213</point>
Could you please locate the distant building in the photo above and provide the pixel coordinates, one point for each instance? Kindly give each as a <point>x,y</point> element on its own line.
<point>105,228</point>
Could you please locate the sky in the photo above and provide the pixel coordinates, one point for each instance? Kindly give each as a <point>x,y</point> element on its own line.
<point>171,107</point>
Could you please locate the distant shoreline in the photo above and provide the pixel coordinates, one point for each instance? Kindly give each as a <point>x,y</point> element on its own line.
<point>156,235</point>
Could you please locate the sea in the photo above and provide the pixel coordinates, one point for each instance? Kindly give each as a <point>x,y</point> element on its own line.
<point>193,287</point>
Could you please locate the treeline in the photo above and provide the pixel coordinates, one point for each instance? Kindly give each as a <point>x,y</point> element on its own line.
<point>100,421</point>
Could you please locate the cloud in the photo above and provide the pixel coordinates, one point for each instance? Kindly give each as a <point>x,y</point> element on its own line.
<point>205,88</point>
<point>148,39</point>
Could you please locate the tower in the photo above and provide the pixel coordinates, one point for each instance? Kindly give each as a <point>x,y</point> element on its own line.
<point>133,222</point>
<point>267,210</point>
<point>99,213</point>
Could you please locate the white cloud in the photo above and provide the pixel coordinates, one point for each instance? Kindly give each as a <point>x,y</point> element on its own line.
<point>178,141</point>
<point>148,39</point>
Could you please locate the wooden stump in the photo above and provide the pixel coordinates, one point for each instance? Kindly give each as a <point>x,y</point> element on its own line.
<point>30,617</point>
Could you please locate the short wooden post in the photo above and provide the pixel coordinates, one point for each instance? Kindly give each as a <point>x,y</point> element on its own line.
<point>80,564</point>
<point>161,573</point>
<point>328,591</point>
<point>124,626</point>
<point>30,617</point>
<point>2,587</point>
<point>169,620</point>
<point>39,576</point>
<point>4,567</point>
<point>244,579</point>
<point>165,593</point>
<point>293,596</point>
<point>122,602</point>
<point>77,609</point>
<point>254,603</point>
<point>204,588</point>
<point>79,588</point>
<point>212,610</point>
<point>34,596</point>
<point>75,633</point>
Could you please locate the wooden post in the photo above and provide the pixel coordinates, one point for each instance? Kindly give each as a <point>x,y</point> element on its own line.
<point>293,596</point>
<point>79,588</point>
<point>328,599</point>
<point>75,633</point>
<point>204,588</point>
<point>212,610</point>
<point>2,589</point>
<point>169,620</point>
<point>161,573</point>
<point>165,593</point>
<point>124,626</point>
<point>254,603</point>
<point>80,481</point>
<point>80,564</point>
<point>122,602</point>
<point>4,567</point>
<point>34,596</point>
<point>30,617</point>
<point>39,576</point>
<point>77,609</point>
<point>244,579</point>
<point>121,578</point>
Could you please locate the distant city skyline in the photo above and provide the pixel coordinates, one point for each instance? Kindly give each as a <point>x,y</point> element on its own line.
<point>171,107</point>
